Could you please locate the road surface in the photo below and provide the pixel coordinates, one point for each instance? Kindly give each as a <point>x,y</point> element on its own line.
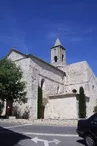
<point>37,135</point>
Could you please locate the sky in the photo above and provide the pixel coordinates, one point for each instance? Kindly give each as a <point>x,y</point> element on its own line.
<point>32,26</point>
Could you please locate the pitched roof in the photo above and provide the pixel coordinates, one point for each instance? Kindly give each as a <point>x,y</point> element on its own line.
<point>57,43</point>
<point>14,50</point>
<point>32,56</point>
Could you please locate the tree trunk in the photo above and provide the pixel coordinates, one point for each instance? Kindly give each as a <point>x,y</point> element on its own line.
<point>9,104</point>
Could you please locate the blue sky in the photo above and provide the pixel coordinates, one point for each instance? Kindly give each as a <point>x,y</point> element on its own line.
<point>32,26</point>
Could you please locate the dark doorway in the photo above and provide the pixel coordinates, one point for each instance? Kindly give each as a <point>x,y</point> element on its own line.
<point>43,109</point>
<point>39,103</point>
<point>9,108</point>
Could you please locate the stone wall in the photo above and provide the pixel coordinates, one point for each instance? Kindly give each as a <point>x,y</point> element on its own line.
<point>76,73</point>
<point>62,107</point>
<point>30,77</point>
<point>53,78</point>
<point>80,74</point>
<point>76,76</point>
<point>92,87</point>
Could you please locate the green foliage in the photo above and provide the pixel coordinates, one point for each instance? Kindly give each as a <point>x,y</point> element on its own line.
<point>26,113</point>
<point>95,109</point>
<point>17,112</point>
<point>11,86</point>
<point>39,103</point>
<point>82,103</point>
<point>1,107</point>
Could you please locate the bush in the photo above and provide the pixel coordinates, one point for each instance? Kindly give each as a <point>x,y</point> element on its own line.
<point>95,109</point>
<point>16,112</point>
<point>19,114</point>
<point>26,113</point>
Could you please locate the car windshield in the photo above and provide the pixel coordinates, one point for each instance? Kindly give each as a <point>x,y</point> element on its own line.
<point>94,115</point>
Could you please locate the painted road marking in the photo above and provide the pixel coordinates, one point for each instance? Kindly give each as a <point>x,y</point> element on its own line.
<point>50,134</point>
<point>16,126</point>
<point>46,142</point>
<point>42,134</point>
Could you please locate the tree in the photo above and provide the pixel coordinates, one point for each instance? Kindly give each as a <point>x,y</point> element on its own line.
<point>39,106</point>
<point>82,103</point>
<point>11,86</point>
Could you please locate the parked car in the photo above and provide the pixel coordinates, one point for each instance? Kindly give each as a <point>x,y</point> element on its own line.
<point>87,129</point>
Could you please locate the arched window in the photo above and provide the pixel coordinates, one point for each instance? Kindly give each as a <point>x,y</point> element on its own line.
<point>92,86</point>
<point>74,91</point>
<point>55,58</point>
<point>62,57</point>
<point>57,89</point>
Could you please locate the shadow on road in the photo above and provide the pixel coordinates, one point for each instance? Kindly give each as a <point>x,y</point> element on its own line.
<point>81,141</point>
<point>10,138</point>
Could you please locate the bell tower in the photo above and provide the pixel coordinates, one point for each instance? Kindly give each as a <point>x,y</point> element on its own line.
<point>58,54</point>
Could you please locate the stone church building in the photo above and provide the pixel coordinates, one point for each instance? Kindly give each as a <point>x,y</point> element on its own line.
<point>58,80</point>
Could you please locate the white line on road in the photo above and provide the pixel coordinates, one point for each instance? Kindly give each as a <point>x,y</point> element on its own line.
<point>50,134</point>
<point>41,134</point>
<point>15,126</point>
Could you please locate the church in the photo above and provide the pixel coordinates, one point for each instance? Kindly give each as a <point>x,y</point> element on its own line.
<point>58,81</point>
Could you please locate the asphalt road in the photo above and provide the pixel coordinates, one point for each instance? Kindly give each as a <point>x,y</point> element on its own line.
<point>35,135</point>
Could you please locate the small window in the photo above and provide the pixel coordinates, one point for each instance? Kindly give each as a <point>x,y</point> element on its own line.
<point>92,86</point>
<point>55,58</point>
<point>62,57</point>
<point>57,89</point>
<point>74,91</point>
